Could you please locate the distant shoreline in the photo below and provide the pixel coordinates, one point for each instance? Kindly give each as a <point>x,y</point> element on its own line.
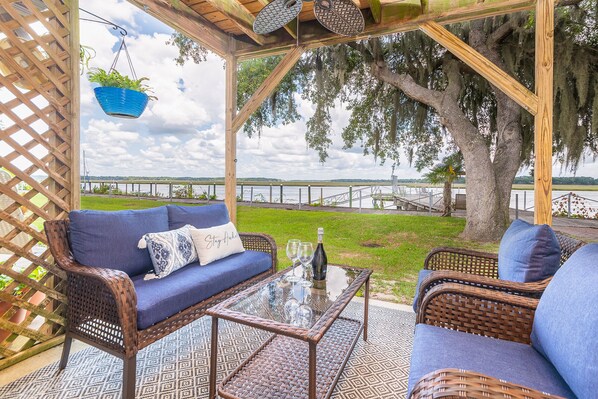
<point>314,183</point>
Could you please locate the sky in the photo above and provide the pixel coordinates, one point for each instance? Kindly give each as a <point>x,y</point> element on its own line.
<point>182,133</point>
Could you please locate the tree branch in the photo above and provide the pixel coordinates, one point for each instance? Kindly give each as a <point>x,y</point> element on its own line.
<point>503,31</point>
<point>407,84</point>
<point>404,82</point>
<point>451,69</point>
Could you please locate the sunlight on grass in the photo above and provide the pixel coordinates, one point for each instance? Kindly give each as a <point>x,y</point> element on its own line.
<point>394,246</point>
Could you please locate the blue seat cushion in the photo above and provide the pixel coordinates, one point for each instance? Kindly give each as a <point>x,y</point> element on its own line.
<point>158,299</point>
<point>422,275</point>
<point>437,348</point>
<point>528,253</point>
<point>200,217</point>
<point>566,322</point>
<point>109,239</point>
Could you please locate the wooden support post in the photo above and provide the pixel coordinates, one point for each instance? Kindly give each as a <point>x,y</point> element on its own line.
<point>543,118</point>
<point>230,178</point>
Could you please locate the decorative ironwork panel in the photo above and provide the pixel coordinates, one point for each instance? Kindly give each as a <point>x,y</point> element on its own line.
<point>276,15</point>
<point>39,172</point>
<point>340,16</point>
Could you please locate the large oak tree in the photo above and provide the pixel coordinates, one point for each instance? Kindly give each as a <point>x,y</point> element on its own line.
<point>408,94</point>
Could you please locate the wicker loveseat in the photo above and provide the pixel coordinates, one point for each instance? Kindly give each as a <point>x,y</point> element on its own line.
<point>480,269</point>
<point>472,342</point>
<point>115,307</point>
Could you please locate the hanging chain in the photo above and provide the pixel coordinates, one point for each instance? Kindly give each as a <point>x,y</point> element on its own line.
<point>123,46</point>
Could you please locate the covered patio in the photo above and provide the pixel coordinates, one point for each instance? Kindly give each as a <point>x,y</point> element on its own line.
<point>42,103</point>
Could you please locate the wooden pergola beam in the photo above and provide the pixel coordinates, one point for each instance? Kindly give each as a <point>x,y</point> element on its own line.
<point>183,19</point>
<point>313,35</point>
<point>268,86</point>
<point>496,76</point>
<point>543,120</point>
<point>240,16</point>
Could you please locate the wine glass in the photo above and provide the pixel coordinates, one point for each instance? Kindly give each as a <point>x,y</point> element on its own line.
<point>292,254</point>
<point>303,314</point>
<point>290,306</point>
<point>306,254</point>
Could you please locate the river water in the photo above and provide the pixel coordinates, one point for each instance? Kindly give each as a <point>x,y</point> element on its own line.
<point>338,196</point>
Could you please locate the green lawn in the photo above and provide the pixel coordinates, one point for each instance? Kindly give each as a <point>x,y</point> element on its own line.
<point>394,246</point>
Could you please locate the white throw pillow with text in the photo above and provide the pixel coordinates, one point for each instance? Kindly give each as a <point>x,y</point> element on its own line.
<point>216,242</point>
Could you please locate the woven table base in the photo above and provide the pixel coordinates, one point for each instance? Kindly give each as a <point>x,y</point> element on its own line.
<point>279,368</point>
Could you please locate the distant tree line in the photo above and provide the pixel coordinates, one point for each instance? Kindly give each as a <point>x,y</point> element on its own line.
<point>575,180</point>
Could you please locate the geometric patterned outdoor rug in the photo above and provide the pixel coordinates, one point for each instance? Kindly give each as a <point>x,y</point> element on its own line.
<point>176,367</point>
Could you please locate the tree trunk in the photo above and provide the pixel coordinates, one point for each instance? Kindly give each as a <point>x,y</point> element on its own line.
<point>490,174</point>
<point>447,198</point>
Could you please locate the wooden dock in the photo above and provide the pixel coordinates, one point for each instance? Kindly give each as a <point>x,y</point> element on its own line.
<point>410,202</point>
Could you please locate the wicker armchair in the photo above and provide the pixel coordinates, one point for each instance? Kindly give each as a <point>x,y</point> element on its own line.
<point>102,303</point>
<point>480,269</point>
<point>483,312</point>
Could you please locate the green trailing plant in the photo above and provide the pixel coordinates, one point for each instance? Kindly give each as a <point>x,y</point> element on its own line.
<point>114,78</point>
<point>86,53</point>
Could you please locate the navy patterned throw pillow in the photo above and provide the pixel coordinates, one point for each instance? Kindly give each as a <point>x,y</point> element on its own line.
<point>170,250</point>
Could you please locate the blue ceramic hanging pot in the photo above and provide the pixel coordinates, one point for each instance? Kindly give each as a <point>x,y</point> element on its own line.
<point>121,103</point>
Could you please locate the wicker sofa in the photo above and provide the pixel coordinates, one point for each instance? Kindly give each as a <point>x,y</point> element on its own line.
<point>480,269</point>
<point>472,342</point>
<point>114,307</point>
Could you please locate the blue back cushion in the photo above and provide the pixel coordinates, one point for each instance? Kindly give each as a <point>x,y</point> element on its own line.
<point>200,217</point>
<point>109,239</point>
<point>566,322</point>
<point>528,252</point>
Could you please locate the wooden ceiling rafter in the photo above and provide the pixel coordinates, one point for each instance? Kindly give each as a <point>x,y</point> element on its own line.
<point>185,20</point>
<point>240,16</point>
<point>313,35</point>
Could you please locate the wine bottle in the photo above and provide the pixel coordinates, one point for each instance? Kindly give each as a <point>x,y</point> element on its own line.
<point>319,264</point>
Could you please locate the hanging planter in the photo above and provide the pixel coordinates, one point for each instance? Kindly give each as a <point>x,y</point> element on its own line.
<point>121,103</point>
<point>119,95</point>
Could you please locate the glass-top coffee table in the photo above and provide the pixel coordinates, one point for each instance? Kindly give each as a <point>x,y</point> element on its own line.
<point>311,345</point>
